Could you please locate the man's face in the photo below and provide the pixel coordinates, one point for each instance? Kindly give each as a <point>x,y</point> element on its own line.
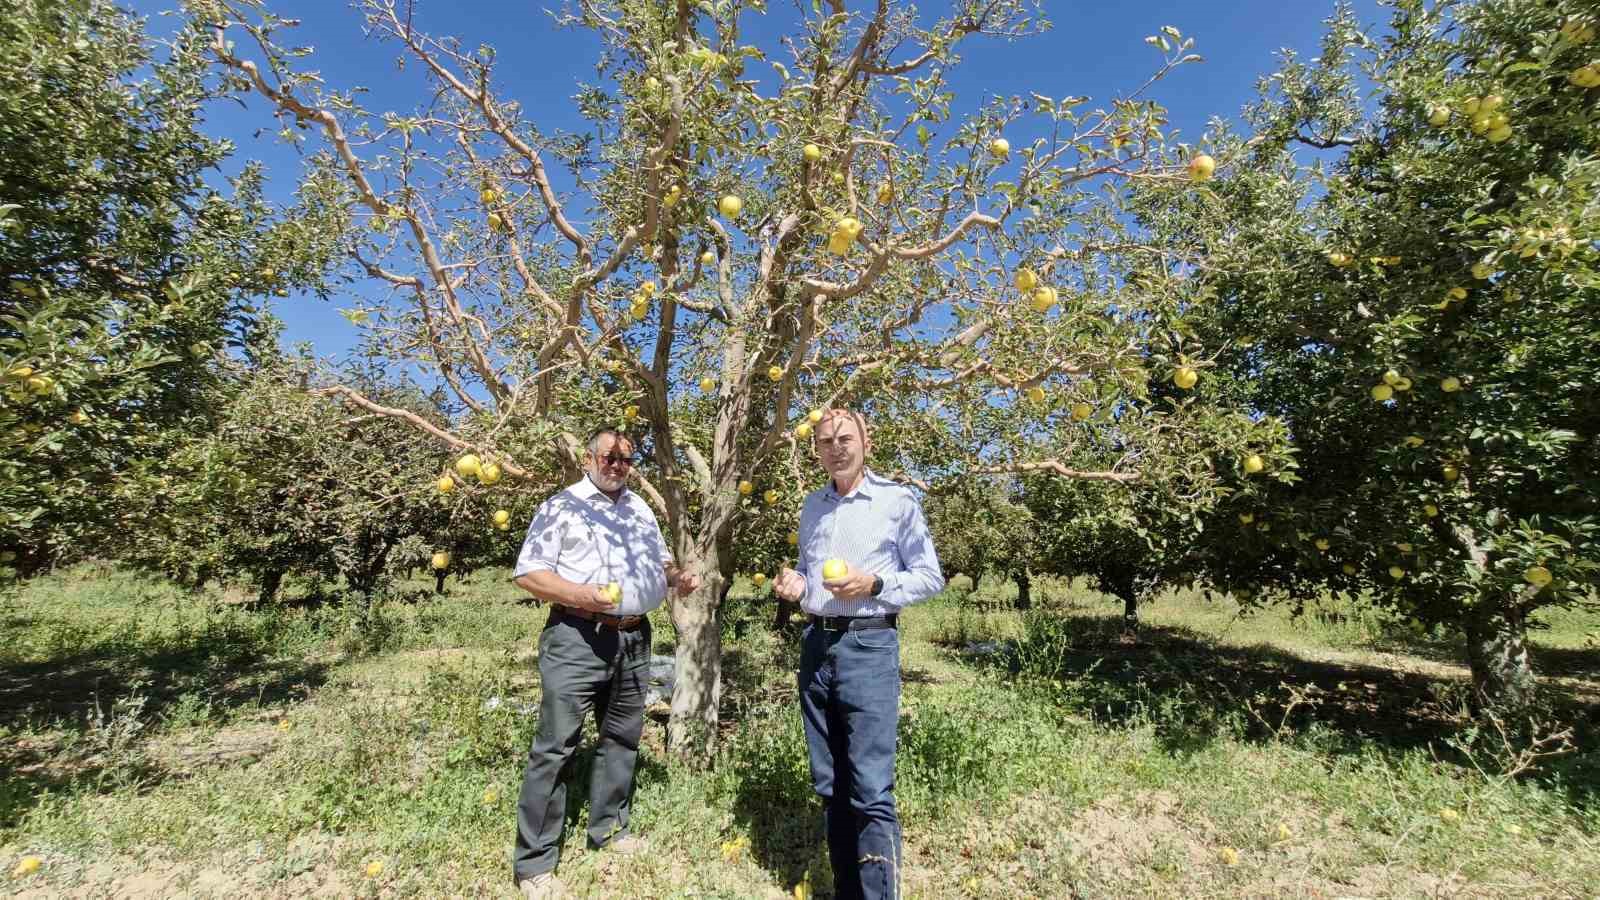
<point>608,466</point>
<point>841,447</point>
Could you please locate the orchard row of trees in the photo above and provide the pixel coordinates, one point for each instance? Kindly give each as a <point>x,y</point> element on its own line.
<point>1346,350</point>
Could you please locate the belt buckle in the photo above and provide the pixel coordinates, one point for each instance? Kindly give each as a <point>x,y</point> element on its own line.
<point>835,623</point>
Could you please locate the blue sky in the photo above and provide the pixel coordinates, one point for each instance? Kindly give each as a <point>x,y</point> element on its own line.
<point>1095,49</point>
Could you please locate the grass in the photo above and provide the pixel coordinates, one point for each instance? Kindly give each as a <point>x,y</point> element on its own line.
<point>159,743</point>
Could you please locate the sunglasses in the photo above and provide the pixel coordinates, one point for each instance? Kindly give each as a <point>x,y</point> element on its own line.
<point>613,459</point>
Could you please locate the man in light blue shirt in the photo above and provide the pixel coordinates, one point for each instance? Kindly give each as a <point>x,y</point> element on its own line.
<point>865,554</point>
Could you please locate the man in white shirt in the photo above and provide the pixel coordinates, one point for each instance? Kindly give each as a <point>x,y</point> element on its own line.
<point>595,553</point>
<point>865,554</point>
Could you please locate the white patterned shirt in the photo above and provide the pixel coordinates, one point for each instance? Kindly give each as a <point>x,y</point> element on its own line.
<point>877,528</point>
<point>586,537</point>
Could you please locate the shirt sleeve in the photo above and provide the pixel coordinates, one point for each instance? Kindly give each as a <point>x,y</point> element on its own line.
<point>541,547</point>
<point>919,577</point>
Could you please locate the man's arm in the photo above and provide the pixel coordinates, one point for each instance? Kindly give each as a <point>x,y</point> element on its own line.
<point>552,588</point>
<point>920,576</point>
<point>683,580</point>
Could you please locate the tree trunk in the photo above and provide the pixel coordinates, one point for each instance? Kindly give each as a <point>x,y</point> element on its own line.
<point>438,581</point>
<point>697,689</point>
<point>1024,589</point>
<point>1502,676</point>
<point>270,583</point>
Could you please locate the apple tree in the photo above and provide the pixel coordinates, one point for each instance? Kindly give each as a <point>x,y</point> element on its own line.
<point>742,235</point>
<point>1400,264</point>
<point>124,273</point>
<point>293,481</point>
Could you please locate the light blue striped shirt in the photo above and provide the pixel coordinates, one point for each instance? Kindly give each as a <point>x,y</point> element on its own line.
<point>877,528</point>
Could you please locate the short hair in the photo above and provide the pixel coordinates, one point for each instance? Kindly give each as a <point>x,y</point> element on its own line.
<point>593,444</point>
<point>841,412</point>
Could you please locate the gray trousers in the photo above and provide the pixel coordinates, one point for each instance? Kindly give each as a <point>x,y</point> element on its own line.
<point>582,666</point>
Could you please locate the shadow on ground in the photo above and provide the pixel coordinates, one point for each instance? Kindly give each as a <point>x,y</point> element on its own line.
<point>81,715</point>
<point>1193,690</point>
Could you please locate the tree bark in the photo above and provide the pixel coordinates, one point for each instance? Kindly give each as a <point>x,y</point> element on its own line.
<point>270,582</point>
<point>697,689</point>
<point>1502,676</point>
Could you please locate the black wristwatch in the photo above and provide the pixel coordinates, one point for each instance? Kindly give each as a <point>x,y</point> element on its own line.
<point>877,585</point>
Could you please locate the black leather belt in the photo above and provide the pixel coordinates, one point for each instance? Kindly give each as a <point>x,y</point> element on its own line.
<point>620,623</point>
<point>854,623</point>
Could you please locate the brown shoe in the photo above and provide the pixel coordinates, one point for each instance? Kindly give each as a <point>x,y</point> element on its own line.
<point>544,886</point>
<point>627,845</point>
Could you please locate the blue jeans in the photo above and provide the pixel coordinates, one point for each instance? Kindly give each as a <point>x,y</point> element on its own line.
<point>850,705</point>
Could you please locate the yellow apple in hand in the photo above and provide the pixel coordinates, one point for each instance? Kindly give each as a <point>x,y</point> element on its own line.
<point>1202,167</point>
<point>613,593</point>
<point>835,569</point>
<point>730,206</point>
<point>441,560</point>
<point>1185,377</point>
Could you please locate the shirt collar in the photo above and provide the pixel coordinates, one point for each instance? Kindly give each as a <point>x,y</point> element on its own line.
<point>863,490</point>
<point>587,490</point>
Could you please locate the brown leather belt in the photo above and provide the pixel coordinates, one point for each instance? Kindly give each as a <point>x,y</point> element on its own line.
<point>620,623</point>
